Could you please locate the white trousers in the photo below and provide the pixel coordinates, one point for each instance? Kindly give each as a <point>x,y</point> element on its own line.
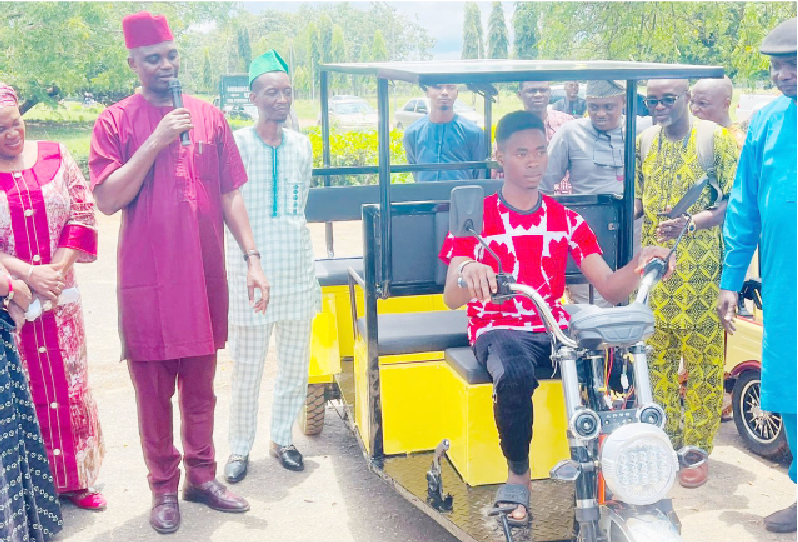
<point>249,346</point>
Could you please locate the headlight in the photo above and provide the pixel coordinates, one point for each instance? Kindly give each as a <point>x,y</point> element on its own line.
<point>639,463</point>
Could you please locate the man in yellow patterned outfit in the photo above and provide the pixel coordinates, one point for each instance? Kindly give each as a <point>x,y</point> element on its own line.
<point>687,326</point>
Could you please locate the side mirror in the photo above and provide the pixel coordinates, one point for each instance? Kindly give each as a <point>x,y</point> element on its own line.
<point>465,211</point>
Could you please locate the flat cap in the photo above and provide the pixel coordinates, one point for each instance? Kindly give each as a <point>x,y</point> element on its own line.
<point>781,40</point>
<point>602,88</point>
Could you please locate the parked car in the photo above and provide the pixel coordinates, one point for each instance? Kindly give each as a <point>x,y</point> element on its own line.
<point>241,111</point>
<point>351,114</point>
<point>418,107</point>
<point>345,98</point>
<point>750,103</point>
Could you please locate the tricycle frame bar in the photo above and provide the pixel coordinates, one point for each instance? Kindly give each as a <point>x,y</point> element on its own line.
<point>378,270</point>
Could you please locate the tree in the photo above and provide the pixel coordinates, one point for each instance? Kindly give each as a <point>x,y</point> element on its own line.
<point>77,47</point>
<point>715,33</point>
<point>207,77</point>
<point>325,36</point>
<point>360,80</point>
<point>314,55</point>
<point>379,53</point>
<point>244,50</point>
<point>525,31</point>
<point>473,46</point>
<point>497,33</point>
<point>338,54</point>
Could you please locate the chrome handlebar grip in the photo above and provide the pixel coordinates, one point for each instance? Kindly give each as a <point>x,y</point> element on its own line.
<point>545,313</point>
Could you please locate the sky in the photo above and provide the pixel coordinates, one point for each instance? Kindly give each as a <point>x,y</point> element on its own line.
<point>430,15</point>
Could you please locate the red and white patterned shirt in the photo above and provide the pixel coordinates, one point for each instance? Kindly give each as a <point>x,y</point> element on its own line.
<point>533,246</point>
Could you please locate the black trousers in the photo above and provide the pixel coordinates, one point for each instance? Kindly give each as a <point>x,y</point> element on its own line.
<point>513,358</point>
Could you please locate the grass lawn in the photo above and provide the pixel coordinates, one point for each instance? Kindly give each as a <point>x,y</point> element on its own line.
<point>76,137</point>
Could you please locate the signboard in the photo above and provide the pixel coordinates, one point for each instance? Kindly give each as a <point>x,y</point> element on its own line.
<point>233,91</point>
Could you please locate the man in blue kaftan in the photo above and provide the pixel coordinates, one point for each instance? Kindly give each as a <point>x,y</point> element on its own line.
<point>444,137</point>
<point>762,210</point>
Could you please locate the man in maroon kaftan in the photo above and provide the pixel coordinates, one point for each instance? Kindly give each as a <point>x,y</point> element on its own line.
<point>172,286</point>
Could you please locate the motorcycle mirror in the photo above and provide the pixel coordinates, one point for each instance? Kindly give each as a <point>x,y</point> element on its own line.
<point>465,211</point>
<point>689,198</point>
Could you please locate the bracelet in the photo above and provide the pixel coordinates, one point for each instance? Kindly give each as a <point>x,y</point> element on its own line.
<point>30,272</point>
<point>463,264</point>
<point>10,294</point>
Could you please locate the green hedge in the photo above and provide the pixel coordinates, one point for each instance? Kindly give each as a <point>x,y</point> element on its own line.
<point>357,149</point>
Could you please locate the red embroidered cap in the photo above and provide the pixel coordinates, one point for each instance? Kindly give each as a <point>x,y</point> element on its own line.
<point>144,28</point>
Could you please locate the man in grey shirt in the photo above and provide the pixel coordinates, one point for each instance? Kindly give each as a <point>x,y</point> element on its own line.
<point>590,150</point>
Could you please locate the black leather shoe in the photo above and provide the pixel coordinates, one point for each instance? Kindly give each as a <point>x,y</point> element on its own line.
<point>236,468</point>
<point>783,521</point>
<point>289,457</point>
<point>165,513</point>
<point>216,496</point>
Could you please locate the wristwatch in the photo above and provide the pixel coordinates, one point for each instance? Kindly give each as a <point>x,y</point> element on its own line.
<point>252,252</point>
<point>691,227</point>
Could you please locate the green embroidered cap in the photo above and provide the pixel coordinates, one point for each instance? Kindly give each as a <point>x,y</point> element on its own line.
<point>269,61</point>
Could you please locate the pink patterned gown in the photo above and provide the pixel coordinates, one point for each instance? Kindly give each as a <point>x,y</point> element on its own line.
<point>42,209</point>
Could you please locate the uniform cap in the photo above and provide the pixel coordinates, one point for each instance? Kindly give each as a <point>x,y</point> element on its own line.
<point>781,40</point>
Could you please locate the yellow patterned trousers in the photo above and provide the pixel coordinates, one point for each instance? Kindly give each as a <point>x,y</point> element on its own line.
<point>696,420</point>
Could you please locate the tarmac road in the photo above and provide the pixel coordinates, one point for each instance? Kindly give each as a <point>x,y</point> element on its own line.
<point>336,498</point>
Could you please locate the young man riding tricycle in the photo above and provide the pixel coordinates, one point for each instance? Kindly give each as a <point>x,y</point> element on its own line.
<point>533,236</point>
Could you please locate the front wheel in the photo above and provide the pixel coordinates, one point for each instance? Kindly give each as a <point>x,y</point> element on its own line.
<point>762,431</point>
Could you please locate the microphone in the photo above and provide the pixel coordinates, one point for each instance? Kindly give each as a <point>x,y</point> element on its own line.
<point>177,99</point>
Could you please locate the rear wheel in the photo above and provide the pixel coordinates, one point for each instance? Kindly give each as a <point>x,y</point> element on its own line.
<point>312,419</point>
<point>762,431</point>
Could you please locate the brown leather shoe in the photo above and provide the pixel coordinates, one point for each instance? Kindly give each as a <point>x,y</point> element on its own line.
<point>694,477</point>
<point>216,496</point>
<point>165,513</point>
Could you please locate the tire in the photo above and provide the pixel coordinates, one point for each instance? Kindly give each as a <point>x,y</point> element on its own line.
<point>311,420</point>
<point>762,432</point>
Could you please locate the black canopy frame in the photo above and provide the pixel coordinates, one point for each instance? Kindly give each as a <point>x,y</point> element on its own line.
<point>479,76</point>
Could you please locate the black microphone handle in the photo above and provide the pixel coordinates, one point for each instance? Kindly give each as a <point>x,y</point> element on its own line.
<point>177,100</point>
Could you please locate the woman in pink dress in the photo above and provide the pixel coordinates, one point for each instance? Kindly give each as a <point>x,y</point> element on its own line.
<point>46,225</point>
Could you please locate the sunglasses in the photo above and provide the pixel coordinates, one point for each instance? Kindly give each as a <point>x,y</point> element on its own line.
<point>667,100</point>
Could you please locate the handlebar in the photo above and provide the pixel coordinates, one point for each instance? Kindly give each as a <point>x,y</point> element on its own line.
<point>544,311</point>
<point>652,274</point>
<point>508,288</point>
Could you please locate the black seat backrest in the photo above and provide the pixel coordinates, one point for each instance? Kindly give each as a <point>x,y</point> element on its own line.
<point>419,229</point>
<point>336,203</point>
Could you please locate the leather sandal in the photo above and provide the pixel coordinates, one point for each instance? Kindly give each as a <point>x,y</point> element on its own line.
<point>517,494</point>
